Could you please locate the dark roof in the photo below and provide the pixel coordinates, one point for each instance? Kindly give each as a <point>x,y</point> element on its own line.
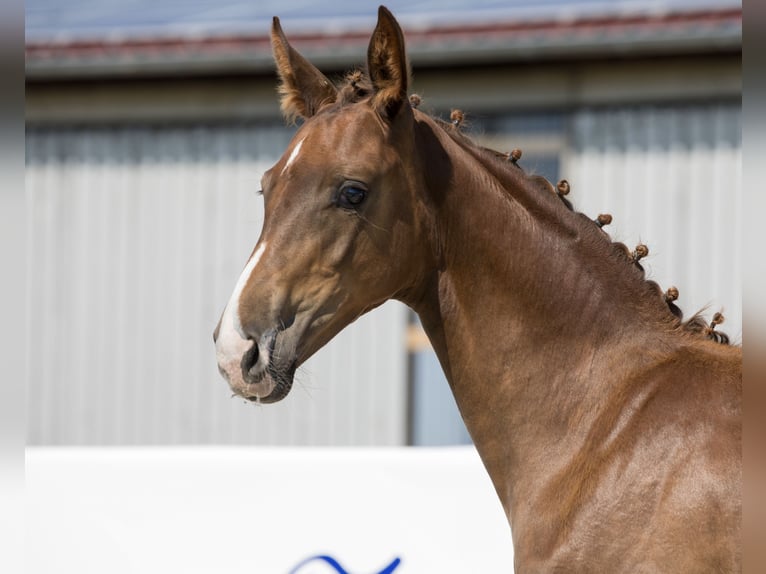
<point>97,37</point>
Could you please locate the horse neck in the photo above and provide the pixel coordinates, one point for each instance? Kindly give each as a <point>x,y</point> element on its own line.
<point>533,317</point>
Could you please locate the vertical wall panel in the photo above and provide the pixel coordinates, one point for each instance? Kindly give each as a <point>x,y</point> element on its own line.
<point>137,237</point>
<point>671,177</point>
<point>138,234</point>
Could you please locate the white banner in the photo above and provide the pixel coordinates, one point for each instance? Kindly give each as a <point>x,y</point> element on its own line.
<point>262,511</point>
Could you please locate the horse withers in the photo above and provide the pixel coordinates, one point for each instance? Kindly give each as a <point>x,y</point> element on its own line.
<point>610,428</point>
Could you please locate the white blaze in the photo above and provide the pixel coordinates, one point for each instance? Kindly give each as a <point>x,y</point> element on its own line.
<point>232,342</point>
<point>293,155</point>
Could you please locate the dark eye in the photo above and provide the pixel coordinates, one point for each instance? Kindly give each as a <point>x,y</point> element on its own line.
<point>351,195</point>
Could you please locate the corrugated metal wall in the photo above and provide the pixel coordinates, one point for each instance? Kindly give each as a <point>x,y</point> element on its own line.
<point>136,239</point>
<point>672,179</point>
<point>137,236</point>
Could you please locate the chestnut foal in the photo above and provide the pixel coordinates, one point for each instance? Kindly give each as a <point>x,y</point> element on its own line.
<point>611,430</point>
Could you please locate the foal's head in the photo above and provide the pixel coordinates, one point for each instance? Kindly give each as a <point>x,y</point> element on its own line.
<point>342,232</point>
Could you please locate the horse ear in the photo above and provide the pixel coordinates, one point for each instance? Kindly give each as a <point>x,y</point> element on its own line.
<point>387,64</point>
<point>303,88</point>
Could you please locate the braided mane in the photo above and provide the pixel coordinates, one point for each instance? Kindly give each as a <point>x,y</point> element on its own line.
<point>356,87</point>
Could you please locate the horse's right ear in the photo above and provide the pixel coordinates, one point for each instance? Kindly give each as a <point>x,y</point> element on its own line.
<point>387,64</point>
<point>303,88</point>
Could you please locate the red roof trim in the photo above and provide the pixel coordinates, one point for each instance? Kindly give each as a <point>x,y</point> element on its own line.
<point>217,45</point>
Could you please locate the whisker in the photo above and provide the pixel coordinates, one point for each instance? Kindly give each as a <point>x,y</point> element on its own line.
<point>370,223</point>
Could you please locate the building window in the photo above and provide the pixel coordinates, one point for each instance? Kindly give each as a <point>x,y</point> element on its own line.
<point>434,416</point>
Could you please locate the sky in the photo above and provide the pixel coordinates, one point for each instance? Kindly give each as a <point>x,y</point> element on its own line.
<point>99,18</point>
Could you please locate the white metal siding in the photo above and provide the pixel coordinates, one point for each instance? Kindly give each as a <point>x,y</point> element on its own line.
<point>671,177</point>
<point>137,236</point>
<point>136,239</point>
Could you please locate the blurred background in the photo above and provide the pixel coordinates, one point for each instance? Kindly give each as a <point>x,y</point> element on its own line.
<point>149,124</point>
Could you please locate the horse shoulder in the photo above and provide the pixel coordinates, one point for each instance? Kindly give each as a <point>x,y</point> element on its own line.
<point>656,485</point>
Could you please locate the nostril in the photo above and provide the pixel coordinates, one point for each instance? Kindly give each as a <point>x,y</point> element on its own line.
<point>250,360</point>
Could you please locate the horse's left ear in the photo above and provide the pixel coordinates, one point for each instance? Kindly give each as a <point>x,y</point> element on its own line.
<point>387,64</point>
<point>304,89</point>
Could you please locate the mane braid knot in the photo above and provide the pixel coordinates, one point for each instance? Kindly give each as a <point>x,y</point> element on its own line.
<point>603,219</point>
<point>639,253</point>
<point>670,296</point>
<point>712,334</point>
<point>562,190</point>
<point>456,118</point>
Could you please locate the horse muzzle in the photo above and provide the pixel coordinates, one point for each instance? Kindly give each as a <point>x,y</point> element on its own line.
<point>259,370</point>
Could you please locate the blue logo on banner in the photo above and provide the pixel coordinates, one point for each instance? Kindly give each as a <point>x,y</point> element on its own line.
<point>333,563</point>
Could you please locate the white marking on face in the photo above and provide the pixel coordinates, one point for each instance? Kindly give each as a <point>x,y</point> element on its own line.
<point>232,342</point>
<point>241,282</point>
<point>293,155</point>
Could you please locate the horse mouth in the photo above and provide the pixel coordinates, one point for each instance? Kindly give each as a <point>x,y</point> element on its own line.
<point>271,385</point>
<point>260,374</point>
<point>267,386</point>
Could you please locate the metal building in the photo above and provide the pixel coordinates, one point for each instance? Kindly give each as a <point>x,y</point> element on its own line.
<point>145,149</point>
<point>138,235</point>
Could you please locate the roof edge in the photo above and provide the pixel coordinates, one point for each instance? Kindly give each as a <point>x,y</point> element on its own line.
<point>699,32</point>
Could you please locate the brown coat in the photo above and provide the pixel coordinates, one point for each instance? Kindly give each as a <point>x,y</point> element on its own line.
<point>611,430</point>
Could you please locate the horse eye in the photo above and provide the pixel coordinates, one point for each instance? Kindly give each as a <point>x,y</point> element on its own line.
<point>351,196</point>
